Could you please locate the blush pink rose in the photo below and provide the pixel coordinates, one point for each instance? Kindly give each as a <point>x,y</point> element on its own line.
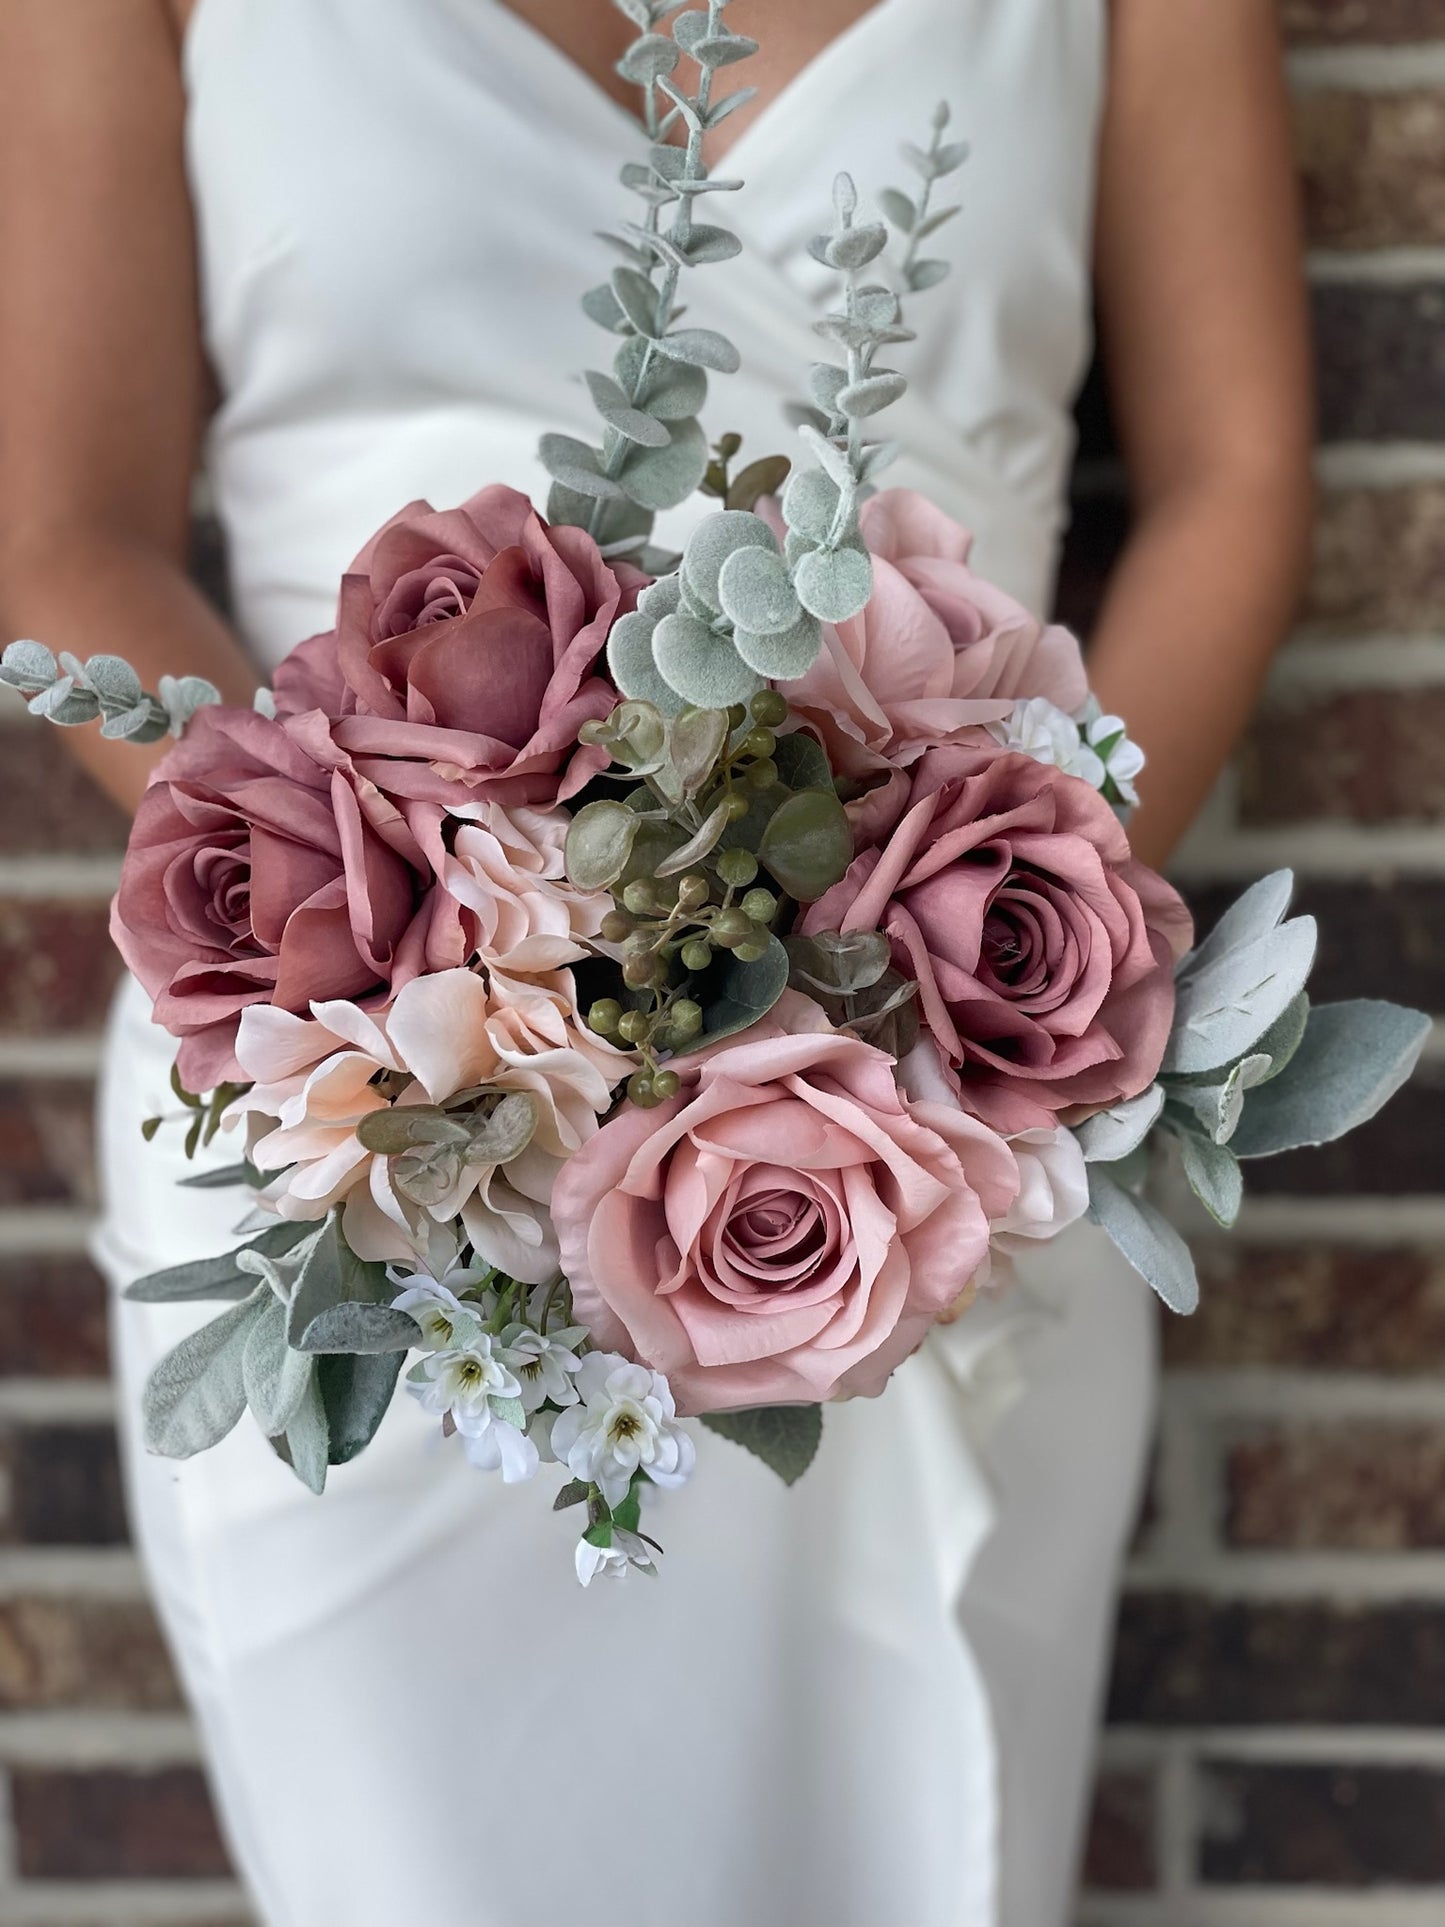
<point>254,875</point>
<point>937,653</point>
<point>1043,952</point>
<point>463,662</point>
<point>785,1230</point>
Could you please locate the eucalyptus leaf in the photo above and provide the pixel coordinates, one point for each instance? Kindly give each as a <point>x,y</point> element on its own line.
<point>734,995</point>
<point>872,394</point>
<point>830,458</point>
<point>926,274</point>
<point>630,658</point>
<point>702,667</point>
<point>782,655</point>
<point>714,543</point>
<point>808,844</point>
<point>602,306</point>
<point>660,478</point>
<point>707,244</point>
<point>899,209</point>
<point>756,591</point>
<point>648,59</point>
<point>834,585</point>
<point>695,740</point>
<point>599,841</point>
<point>196,1393</point>
<point>114,681</point>
<point>810,503</point>
<point>28,665</point>
<point>785,1437</point>
<point>802,762</point>
<point>506,1132</point>
<point>1147,1240</point>
<point>762,477</point>
<point>700,844</point>
<point>701,348</point>
<point>1353,1058</point>
<point>670,390</point>
<point>637,298</point>
<point>576,465</point>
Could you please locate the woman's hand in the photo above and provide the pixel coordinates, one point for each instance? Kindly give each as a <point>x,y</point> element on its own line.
<point>102,380</point>
<point>1205,338</point>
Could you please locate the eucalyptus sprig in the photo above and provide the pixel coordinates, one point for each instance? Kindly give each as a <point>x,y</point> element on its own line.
<point>654,453</point>
<point>67,691</point>
<point>915,218</point>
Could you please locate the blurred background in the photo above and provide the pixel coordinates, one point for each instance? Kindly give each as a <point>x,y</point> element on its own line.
<point>1275,1750</point>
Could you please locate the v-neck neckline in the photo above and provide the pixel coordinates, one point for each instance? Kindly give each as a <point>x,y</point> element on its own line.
<point>768,117</point>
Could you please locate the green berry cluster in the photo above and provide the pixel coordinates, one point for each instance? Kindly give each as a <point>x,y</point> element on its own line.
<point>671,929</point>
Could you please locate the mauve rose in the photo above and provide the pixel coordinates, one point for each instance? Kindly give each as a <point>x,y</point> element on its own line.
<point>254,875</point>
<point>786,1229</point>
<point>1043,951</point>
<point>462,662</point>
<point>936,653</point>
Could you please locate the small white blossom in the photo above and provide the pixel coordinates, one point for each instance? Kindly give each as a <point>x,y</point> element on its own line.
<point>462,1383</point>
<point>1121,760</point>
<point>543,1366</point>
<point>446,1323</point>
<point>614,1561</point>
<point>626,1421</point>
<point>494,1444</point>
<point>1038,728</point>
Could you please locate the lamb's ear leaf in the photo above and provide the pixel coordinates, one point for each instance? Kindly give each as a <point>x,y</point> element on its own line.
<point>1226,1005</point>
<point>1247,919</point>
<point>1110,1135</point>
<point>784,1437</point>
<point>1353,1058</point>
<point>332,1275</point>
<point>216,1277</point>
<point>308,1442</point>
<point>197,1392</point>
<point>1214,1176</point>
<point>1146,1238</point>
<point>355,1391</point>
<point>273,1374</point>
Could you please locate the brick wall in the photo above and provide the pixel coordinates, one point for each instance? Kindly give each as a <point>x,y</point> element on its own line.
<point>1276,1748</point>
<point>1275,1754</point>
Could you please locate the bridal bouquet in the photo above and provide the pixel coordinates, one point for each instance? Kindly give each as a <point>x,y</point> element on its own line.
<point>644,988</point>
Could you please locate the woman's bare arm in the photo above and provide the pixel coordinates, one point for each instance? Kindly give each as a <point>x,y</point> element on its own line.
<point>1206,347</point>
<point>102,382</point>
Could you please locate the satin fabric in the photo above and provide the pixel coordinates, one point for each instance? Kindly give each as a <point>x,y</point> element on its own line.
<point>866,1700</point>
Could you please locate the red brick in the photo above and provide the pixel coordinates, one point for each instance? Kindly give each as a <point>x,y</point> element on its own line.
<point>64,1486</point>
<point>1366,756</point>
<point>1314,1307</point>
<point>1379,562</point>
<point>1323,1826</point>
<point>1361,22</point>
<point>109,1824</point>
<point>1119,1851</point>
<point>47,1141</point>
<point>64,809</point>
<point>58,967</point>
<point>65,1654</point>
<point>1373,167</point>
<point>1380,354</point>
<point>52,1318</point>
<point>1184,1660</point>
<point>1345,1487</point>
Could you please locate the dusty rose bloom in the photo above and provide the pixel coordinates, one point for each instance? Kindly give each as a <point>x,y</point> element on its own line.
<point>464,658</point>
<point>937,653</point>
<point>1042,950</point>
<point>786,1229</point>
<point>256,875</point>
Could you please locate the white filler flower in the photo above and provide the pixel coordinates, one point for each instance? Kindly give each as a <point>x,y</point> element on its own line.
<point>543,1366</point>
<point>614,1561</point>
<point>445,1321</point>
<point>462,1383</point>
<point>626,1421</point>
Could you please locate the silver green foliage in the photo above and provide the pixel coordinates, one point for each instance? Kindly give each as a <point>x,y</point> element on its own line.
<point>914,215</point>
<point>104,688</point>
<point>653,453</point>
<point>313,1347</point>
<point>1250,1070</point>
<point>785,1437</point>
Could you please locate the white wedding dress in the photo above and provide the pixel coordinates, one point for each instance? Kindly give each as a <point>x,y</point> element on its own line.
<point>865,1702</point>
